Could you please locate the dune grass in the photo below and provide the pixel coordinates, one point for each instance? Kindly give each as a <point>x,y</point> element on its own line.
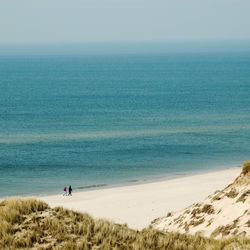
<point>246,167</point>
<point>32,224</point>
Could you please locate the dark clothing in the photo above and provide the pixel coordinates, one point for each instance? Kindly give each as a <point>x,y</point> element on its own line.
<point>70,190</point>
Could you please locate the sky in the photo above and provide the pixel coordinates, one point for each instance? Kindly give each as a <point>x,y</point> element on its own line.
<point>87,21</point>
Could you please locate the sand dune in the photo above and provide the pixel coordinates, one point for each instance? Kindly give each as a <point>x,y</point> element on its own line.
<point>225,213</point>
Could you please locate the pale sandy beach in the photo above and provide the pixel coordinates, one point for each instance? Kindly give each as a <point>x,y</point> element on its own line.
<point>138,205</point>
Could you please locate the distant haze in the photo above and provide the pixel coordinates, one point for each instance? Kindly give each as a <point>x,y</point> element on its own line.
<point>87,21</point>
<point>125,48</point>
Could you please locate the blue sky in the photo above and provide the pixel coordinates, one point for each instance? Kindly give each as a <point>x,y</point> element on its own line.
<point>70,21</point>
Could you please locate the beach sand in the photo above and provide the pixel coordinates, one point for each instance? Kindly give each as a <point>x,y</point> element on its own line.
<point>138,205</point>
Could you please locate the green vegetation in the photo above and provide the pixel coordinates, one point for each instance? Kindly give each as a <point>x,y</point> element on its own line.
<point>29,223</point>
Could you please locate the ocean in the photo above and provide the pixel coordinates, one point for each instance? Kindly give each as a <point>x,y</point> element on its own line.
<point>106,120</point>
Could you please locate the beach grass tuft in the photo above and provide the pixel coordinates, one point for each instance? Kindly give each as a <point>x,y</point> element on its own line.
<point>246,167</point>
<point>208,208</point>
<point>232,193</point>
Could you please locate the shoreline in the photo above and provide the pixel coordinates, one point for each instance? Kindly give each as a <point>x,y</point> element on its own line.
<point>129,182</point>
<point>140,203</point>
<point>147,180</point>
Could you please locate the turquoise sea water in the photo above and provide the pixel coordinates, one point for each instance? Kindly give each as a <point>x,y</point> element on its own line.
<point>114,119</point>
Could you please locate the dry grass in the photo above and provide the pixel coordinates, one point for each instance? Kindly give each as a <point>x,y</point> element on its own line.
<point>195,212</point>
<point>226,230</point>
<point>210,222</point>
<point>232,193</point>
<point>243,197</point>
<point>217,197</point>
<point>248,223</point>
<point>208,209</point>
<point>31,224</point>
<point>196,222</point>
<point>169,214</point>
<point>223,230</point>
<point>246,167</point>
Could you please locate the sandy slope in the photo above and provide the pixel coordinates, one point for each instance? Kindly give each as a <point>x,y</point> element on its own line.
<point>223,214</point>
<point>138,205</point>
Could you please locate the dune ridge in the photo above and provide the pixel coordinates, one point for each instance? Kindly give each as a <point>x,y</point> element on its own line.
<point>225,213</point>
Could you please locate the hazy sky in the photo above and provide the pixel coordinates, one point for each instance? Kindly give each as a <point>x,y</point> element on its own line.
<point>64,21</point>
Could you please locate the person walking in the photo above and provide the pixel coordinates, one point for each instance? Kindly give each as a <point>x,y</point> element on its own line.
<point>70,190</point>
<point>65,191</point>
